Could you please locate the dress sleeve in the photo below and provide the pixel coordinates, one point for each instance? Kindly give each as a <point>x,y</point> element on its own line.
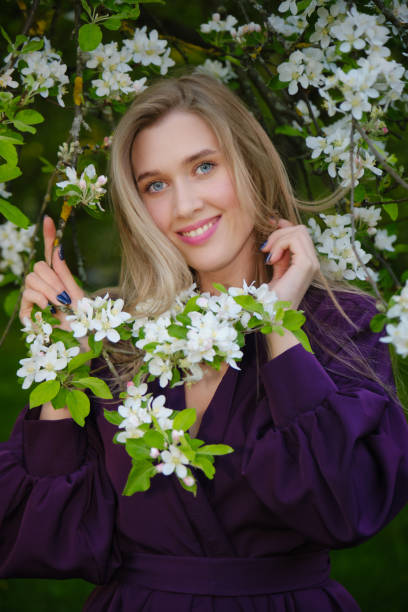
<point>57,506</point>
<point>332,462</point>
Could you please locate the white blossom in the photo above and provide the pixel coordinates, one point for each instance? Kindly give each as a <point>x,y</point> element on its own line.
<point>217,69</point>
<point>174,460</point>
<point>383,241</point>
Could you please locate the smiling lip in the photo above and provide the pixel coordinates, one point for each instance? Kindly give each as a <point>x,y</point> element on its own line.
<point>199,232</point>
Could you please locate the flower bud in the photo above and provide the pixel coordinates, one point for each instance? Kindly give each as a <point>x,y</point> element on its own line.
<point>154,453</point>
<point>159,468</point>
<point>189,481</point>
<point>176,435</point>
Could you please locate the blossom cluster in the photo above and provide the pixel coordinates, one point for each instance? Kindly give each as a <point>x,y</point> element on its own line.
<point>365,88</point>
<point>217,69</point>
<point>335,243</point>
<point>41,71</point>
<point>101,315</point>
<point>216,24</point>
<point>15,243</point>
<point>209,334</point>
<point>397,331</point>
<point>86,189</point>
<point>145,48</point>
<point>46,358</point>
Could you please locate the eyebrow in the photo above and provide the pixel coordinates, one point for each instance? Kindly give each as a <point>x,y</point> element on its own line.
<point>187,160</point>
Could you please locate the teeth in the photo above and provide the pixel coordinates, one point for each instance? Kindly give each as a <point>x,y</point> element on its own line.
<point>199,230</point>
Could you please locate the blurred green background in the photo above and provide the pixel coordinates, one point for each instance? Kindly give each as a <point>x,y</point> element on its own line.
<point>375,572</point>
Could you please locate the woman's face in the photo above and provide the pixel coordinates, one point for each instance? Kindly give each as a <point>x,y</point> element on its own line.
<point>186,184</point>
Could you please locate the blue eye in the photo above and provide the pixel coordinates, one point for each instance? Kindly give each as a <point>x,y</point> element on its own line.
<point>155,186</point>
<point>205,167</point>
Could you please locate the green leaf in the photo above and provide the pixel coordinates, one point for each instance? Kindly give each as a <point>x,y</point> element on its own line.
<point>139,477</point>
<point>112,416</point>
<point>89,36</point>
<point>44,392</point>
<point>205,464</point>
<point>10,302</point>
<point>377,322</point>
<point>5,35</point>
<point>154,439</point>
<point>78,404</point>
<point>87,8</point>
<point>293,319</point>
<point>137,449</point>
<point>96,385</point>
<point>7,278</point>
<point>8,172</point>
<point>359,193</point>
<point>275,83</point>
<point>220,287</point>
<point>392,210</point>
<point>249,303</point>
<point>60,400</point>
<point>8,152</point>
<point>184,419</point>
<point>113,23</point>
<point>303,339</point>
<point>95,346</point>
<point>176,331</point>
<point>30,117</point>
<point>79,360</point>
<point>64,336</point>
<point>288,130</point>
<point>11,136</point>
<point>13,214</point>
<point>216,449</point>
<point>23,127</point>
<point>47,167</point>
<point>32,45</point>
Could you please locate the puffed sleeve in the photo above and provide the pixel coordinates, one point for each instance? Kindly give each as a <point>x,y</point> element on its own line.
<point>333,461</point>
<point>57,506</point>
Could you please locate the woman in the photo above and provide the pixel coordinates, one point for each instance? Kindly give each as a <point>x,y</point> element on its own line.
<point>320,445</point>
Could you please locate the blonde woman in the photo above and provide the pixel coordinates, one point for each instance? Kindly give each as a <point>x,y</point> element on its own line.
<point>320,443</point>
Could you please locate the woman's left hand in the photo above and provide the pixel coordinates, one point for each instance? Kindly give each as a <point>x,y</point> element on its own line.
<point>294,260</point>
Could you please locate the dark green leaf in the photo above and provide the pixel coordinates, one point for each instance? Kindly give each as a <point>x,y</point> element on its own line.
<point>377,322</point>
<point>359,193</point>
<point>288,130</point>
<point>392,210</point>
<point>184,419</point>
<point>64,336</point>
<point>78,404</point>
<point>44,392</point>
<point>275,83</point>
<point>113,23</point>
<point>96,385</point>
<point>139,477</point>
<point>10,302</point>
<point>89,36</point>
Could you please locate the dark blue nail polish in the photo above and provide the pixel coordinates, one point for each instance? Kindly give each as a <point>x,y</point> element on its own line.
<point>268,258</point>
<point>53,310</point>
<point>263,245</point>
<point>61,252</point>
<point>64,298</point>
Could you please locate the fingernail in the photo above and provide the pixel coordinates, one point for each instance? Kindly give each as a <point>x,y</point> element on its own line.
<point>61,252</point>
<point>53,310</point>
<point>263,245</point>
<point>64,298</point>
<point>268,258</point>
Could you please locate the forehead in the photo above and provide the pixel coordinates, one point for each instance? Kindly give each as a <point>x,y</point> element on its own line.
<point>177,135</point>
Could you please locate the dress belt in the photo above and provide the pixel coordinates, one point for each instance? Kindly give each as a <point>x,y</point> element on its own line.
<point>225,576</point>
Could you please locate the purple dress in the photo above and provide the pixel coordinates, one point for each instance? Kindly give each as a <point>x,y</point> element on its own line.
<point>320,461</point>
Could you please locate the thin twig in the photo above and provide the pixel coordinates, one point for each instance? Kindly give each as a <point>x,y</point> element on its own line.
<point>27,25</point>
<point>353,221</point>
<point>381,160</point>
<point>111,366</point>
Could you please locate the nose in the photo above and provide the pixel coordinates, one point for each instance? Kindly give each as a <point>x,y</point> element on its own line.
<point>186,199</point>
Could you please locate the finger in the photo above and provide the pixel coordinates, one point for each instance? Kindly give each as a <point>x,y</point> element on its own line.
<point>65,276</point>
<point>49,233</point>
<point>29,298</point>
<point>45,281</point>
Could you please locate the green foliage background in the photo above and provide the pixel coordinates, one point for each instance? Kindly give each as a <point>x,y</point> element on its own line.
<point>375,572</point>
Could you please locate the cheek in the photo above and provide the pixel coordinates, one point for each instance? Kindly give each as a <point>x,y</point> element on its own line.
<point>160,216</point>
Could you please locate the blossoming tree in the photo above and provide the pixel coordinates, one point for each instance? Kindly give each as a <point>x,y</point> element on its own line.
<point>325,78</point>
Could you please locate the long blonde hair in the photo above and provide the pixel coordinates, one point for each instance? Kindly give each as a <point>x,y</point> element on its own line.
<point>153,270</point>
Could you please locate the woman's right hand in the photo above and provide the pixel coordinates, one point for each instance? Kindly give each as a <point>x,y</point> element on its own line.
<point>51,282</point>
